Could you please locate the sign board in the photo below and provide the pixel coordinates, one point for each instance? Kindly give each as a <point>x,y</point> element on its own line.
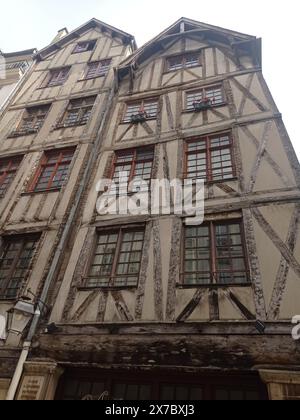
<point>31,389</point>
<point>2,328</point>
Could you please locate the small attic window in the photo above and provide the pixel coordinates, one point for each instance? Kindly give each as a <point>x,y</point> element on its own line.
<point>84,47</point>
<point>184,61</point>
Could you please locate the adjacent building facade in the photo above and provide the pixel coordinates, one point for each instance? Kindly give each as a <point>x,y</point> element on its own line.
<point>147,306</point>
<point>13,66</point>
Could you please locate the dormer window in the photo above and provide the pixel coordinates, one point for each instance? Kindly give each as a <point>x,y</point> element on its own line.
<point>84,47</point>
<point>184,61</point>
<point>205,98</point>
<point>141,111</point>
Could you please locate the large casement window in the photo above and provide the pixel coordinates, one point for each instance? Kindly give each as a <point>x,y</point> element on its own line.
<point>78,112</point>
<point>53,170</point>
<point>215,253</point>
<point>210,158</point>
<point>213,95</point>
<point>117,258</point>
<point>57,77</point>
<point>97,69</point>
<point>8,169</point>
<point>15,258</point>
<point>141,111</point>
<point>32,121</point>
<point>163,386</point>
<point>84,46</point>
<point>130,165</point>
<point>183,61</point>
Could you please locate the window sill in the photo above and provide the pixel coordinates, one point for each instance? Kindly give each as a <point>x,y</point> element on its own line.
<point>17,134</point>
<point>41,191</point>
<point>109,288</point>
<point>62,126</point>
<point>209,183</point>
<point>51,86</point>
<point>131,123</point>
<point>91,78</point>
<point>193,111</point>
<point>183,68</point>
<point>8,300</point>
<point>212,286</point>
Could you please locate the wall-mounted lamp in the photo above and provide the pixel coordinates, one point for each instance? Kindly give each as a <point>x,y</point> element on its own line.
<point>19,317</point>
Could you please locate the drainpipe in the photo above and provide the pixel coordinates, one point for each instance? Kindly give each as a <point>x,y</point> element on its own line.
<point>60,249</point>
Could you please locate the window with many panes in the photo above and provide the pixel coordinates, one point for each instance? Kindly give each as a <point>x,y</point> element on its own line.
<point>8,169</point>
<point>117,258</point>
<point>32,121</point>
<point>213,95</point>
<point>84,46</point>
<point>210,158</point>
<point>53,170</point>
<point>147,107</point>
<point>184,61</point>
<point>131,165</point>
<point>57,77</point>
<point>15,258</point>
<point>215,253</point>
<point>78,112</point>
<point>97,69</point>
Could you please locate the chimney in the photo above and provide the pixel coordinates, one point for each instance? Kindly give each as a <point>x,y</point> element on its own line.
<point>61,33</point>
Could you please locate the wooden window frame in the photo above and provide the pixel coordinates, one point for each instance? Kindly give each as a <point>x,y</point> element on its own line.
<point>213,256</point>
<point>3,175</point>
<point>208,151</point>
<point>120,231</point>
<point>203,91</point>
<point>183,56</point>
<point>60,81</point>
<point>81,110</point>
<point>92,42</point>
<point>100,65</point>
<point>134,160</point>
<point>43,164</point>
<point>20,131</point>
<point>20,239</point>
<point>141,104</point>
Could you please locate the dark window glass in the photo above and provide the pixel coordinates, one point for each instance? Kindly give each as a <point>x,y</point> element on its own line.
<point>184,61</point>
<point>210,158</point>
<point>215,253</point>
<point>53,171</point>
<point>16,256</point>
<point>97,69</point>
<point>8,169</point>
<point>79,112</point>
<point>117,259</point>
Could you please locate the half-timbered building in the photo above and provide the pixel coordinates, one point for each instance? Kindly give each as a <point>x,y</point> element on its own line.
<point>147,306</point>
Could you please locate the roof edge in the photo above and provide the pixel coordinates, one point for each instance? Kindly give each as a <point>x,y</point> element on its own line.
<point>92,23</point>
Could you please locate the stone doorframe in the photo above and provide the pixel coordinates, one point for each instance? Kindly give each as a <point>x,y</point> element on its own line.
<point>282,384</point>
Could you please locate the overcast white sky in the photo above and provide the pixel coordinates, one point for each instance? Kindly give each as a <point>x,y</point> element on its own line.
<point>34,23</point>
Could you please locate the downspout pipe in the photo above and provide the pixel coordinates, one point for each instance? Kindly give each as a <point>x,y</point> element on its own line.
<point>59,251</point>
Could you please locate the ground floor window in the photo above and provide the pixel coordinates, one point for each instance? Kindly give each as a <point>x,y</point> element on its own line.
<point>91,385</point>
